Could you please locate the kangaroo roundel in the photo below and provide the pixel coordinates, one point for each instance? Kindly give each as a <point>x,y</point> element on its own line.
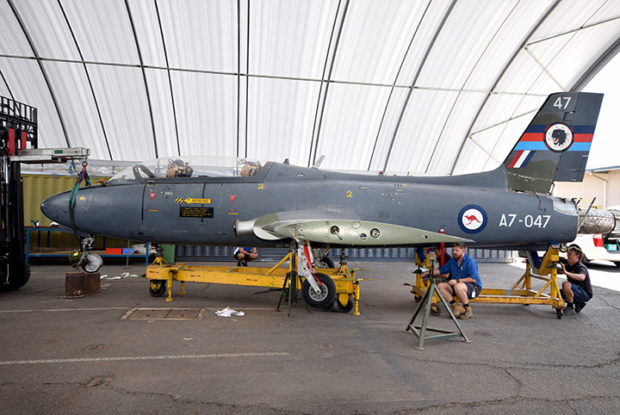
<point>472,219</point>
<point>558,137</point>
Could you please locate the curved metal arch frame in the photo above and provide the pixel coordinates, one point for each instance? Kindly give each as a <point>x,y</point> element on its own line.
<point>322,96</point>
<point>499,78</point>
<point>247,76</point>
<point>7,85</point>
<point>90,83</point>
<point>443,127</point>
<point>594,69</point>
<point>415,79</point>
<point>238,73</point>
<point>174,110</point>
<point>577,86</point>
<point>146,84</point>
<point>43,71</point>
<point>387,104</point>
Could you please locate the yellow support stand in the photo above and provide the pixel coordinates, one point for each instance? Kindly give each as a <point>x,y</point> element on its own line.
<point>160,272</point>
<point>521,292</point>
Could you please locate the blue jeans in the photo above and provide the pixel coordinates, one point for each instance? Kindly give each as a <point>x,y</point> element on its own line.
<point>579,295</point>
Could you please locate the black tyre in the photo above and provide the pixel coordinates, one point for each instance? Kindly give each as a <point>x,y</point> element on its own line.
<point>337,305</point>
<point>15,282</point>
<point>559,313</point>
<point>157,288</point>
<point>325,262</point>
<point>325,297</point>
<point>92,263</point>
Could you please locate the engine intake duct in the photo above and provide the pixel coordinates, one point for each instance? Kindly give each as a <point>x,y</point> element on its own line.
<point>596,221</point>
<point>244,228</point>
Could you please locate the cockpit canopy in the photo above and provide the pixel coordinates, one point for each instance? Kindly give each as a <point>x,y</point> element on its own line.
<point>189,166</point>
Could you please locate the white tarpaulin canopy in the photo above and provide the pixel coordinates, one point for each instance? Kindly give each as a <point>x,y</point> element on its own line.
<point>419,86</point>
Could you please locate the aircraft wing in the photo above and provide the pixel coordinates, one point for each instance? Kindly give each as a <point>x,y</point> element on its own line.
<point>338,230</point>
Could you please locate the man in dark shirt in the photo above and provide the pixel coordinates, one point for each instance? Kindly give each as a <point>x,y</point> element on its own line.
<point>576,289</point>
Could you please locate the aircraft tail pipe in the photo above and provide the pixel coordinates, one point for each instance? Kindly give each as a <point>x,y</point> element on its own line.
<point>615,233</point>
<point>596,221</point>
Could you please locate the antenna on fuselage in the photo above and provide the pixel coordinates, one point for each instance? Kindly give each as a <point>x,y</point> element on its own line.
<point>317,163</point>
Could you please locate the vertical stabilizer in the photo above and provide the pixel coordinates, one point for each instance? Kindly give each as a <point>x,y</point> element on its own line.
<point>556,144</point>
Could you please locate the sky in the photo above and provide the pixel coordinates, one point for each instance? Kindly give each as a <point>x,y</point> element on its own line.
<point>605,151</point>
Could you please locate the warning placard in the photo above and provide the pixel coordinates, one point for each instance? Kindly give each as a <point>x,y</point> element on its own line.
<point>196,212</point>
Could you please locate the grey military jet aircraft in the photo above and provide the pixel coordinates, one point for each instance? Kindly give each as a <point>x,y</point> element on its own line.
<point>272,204</point>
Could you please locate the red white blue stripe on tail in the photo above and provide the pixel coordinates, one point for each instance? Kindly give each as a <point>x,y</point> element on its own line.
<point>555,137</point>
<point>521,159</point>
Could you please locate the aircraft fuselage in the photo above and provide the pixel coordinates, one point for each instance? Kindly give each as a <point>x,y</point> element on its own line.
<point>204,210</point>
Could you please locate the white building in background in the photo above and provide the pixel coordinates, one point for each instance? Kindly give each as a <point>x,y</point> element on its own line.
<point>602,183</point>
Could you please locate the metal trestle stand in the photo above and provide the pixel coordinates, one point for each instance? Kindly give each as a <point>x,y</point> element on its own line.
<point>291,278</point>
<point>290,291</point>
<point>424,308</point>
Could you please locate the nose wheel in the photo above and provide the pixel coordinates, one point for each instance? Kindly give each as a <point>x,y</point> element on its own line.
<point>157,288</point>
<point>92,262</point>
<point>326,294</point>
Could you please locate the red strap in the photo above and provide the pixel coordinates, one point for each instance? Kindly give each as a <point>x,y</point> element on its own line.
<point>310,267</point>
<point>11,141</point>
<point>22,144</point>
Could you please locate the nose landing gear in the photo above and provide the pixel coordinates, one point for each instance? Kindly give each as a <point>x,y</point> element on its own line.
<point>83,258</point>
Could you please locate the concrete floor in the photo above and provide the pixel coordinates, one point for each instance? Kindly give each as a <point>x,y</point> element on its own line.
<point>78,356</point>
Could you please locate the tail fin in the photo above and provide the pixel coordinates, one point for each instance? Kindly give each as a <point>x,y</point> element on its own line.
<point>556,144</point>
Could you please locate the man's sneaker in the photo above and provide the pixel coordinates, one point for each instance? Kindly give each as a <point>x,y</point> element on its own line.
<point>569,306</point>
<point>244,263</point>
<point>457,309</point>
<point>579,307</point>
<point>466,314</point>
<point>239,263</point>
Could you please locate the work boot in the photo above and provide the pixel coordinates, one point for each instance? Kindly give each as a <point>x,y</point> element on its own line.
<point>457,309</point>
<point>239,263</point>
<point>244,263</point>
<point>579,307</point>
<point>466,314</point>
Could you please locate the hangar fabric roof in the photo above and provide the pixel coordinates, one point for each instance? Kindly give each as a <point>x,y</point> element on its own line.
<point>420,86</point>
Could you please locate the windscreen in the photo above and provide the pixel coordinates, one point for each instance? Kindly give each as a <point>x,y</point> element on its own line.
<point>189,166</point>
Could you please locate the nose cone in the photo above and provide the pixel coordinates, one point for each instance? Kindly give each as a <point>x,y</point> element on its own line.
<point>57,208</point>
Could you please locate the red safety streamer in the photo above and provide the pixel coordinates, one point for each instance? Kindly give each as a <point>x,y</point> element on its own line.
<point>310,267</point>
<point>442,248</point>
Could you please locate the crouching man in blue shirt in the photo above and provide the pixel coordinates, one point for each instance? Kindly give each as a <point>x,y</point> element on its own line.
<point>463,281</point>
